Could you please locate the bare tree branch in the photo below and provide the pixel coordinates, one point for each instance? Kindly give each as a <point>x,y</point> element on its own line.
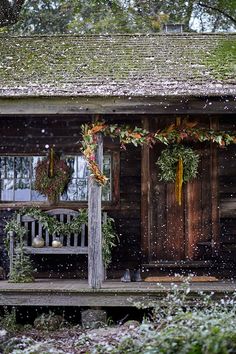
<point>9,12</point>
<point>225,14</point>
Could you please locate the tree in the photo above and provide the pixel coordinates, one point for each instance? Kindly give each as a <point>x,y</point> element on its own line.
<point>9,11</point>
<point>103,16</point>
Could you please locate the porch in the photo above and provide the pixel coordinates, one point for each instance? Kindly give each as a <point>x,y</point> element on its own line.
<point>113,293</point>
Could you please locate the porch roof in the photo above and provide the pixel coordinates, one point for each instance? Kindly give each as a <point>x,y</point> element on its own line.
<point>118,65</point>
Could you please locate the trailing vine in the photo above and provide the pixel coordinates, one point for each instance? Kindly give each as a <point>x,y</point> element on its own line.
<point>174,134</point>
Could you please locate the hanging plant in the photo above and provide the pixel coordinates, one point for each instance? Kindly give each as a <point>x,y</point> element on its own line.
<point>52,177</point>
<point>178,164</point>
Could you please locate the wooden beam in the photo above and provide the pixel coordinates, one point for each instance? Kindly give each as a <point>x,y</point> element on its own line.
<point>18,106</point>
<point>95,263</point>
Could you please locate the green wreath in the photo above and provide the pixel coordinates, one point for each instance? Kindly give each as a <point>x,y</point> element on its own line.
<point>168,161</point>
<point>51,186</point>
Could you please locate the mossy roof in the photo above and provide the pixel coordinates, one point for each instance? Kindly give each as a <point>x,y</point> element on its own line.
<point>118,65</point>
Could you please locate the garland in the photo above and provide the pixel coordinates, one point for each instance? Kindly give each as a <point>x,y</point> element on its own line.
<point>56,227</point>
<point>174,134</point>
<point>52,177</point>
<point>178,164</point>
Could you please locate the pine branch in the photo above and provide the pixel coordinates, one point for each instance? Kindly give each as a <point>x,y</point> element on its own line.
<point>225,14</point>
<point>9,12</point>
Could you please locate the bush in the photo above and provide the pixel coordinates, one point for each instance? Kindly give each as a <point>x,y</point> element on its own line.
<point>183,325</point>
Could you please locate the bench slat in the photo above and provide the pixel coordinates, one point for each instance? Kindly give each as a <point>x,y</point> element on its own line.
<point>32,231</point>
<point>52,250</point>
<point>46,238</point>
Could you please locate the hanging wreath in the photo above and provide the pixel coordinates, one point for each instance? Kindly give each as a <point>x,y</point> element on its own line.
<point>178,164</point>
<point>52,177</point>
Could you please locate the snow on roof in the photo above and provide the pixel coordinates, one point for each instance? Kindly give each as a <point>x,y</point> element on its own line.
<point>118,65</point>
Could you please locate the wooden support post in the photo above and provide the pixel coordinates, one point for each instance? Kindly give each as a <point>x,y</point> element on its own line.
<point>145,198</point>
<point>95,263</point>
<point>215,218</point>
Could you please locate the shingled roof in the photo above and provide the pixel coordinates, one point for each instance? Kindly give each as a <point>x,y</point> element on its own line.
<point>118,65</point>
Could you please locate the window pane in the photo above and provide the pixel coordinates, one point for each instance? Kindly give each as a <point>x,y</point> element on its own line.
<point>7,189</point>
<point>7,167</point>
<point>82,167</point>
<point>22,167</point>
<point>78,187</point>
<point>82,189</point>
<point>22,189</point>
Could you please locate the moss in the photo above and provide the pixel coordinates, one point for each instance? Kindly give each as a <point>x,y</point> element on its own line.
<point>222,60</point>
<point>86,63</point>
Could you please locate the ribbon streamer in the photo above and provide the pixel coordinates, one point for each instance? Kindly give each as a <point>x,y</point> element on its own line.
<point>51,163</point>
<point>179,181</point>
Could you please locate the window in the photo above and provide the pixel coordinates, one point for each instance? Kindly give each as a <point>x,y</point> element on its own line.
<point>78,188</point>
<point>17,174</point>
<point>17,178</point>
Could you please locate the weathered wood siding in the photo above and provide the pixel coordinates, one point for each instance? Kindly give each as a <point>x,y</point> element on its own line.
<point>227,193</point>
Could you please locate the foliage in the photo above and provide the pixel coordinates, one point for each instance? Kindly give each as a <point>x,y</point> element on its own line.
<point>138,137</point>
<point>182,324</point>
<point>51,185</point>
<point>169,159</point>
<point>22,270</point>
<point>126,134</point>
<point>109,238</point>
<point>57,228</point>
<point>225,53</point>
<point>48,322</point>
<point>8,320</point>
<point>9,11</point>
<point>54,226</point>
<point>119,16</point>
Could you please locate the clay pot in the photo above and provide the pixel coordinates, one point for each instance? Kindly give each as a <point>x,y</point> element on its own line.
<point>38,242</point>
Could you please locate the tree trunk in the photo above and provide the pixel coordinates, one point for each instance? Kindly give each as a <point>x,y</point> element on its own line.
<point>9,12</point>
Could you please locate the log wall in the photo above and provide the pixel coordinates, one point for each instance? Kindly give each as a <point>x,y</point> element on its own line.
<point>227,193</point>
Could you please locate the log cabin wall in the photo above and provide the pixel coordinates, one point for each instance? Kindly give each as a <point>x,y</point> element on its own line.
<point>30,135</point>
<point>227,194</point>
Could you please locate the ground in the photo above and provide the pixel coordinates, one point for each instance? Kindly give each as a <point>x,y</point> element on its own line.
<point>67,341</point>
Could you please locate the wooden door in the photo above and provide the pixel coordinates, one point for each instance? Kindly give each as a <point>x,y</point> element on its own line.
<point>174,232</point>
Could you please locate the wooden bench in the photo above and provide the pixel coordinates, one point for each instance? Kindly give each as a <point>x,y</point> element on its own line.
<point>76,243</point>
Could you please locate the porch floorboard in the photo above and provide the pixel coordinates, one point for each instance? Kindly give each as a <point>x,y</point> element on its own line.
<point>74,292</point>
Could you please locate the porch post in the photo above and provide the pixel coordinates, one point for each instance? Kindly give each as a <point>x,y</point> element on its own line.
<point>145,198</point>
<point>95,263</point>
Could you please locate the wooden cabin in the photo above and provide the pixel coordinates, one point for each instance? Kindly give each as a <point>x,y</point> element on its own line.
<point>51,85</point>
